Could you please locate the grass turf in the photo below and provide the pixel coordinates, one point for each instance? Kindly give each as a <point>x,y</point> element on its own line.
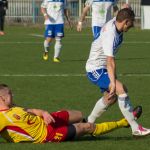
<point>46,85</point>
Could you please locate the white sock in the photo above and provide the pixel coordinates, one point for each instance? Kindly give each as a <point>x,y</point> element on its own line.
<point>97,111</point>
<point>58,46</point>
<point>127,110</point>
<point>46,46</point>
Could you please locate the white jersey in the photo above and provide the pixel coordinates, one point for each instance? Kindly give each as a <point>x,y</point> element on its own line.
<point>105,45</point>
<point>101,11</point>
<point>55,10</point>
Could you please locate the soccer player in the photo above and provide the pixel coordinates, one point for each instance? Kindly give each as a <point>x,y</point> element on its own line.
<point>38,126</point>
<point>101,13</point>
<point>3,7</point>
<point>101,70</point>
<point>53,12</point>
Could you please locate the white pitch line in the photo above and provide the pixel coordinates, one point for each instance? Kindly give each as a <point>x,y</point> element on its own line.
<point>128,42</point>
<point>68,75</point>
<point>69,42</point>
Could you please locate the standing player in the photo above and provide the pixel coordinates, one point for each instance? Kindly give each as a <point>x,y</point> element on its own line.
<point>3,7</point>
<point>53,12</point>
<point>101,70</point>
<point>101,13</point>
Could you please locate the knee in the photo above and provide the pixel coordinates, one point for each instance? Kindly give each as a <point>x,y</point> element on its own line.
<point>79,114</point>
<point>110,101</point>
<point>87,127</point>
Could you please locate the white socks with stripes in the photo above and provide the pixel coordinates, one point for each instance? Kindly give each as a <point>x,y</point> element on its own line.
<point>127,110</point>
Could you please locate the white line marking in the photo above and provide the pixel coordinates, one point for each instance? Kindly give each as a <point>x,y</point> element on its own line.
<point>69,75</point>
<point>127,42</point>
<point>69,42</point>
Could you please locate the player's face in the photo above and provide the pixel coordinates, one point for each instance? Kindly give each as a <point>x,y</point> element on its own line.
<point>8,98</point>
<point>128,24</point>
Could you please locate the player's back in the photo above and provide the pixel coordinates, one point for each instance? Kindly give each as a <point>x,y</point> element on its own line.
<point>101,11</point>
<point>17,125</point>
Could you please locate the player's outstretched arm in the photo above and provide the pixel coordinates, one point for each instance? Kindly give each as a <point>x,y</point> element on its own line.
<point>42,113</point>
<point>82,18</point>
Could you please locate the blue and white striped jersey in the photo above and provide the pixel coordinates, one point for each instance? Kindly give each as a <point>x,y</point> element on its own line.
<point>105,45</point>
<point>55,10</point>
<point>101,11</point>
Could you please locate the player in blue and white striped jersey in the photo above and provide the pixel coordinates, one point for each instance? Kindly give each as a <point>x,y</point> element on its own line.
<point>54,12</point>
<point>101,13</point>
<point>101,70</point>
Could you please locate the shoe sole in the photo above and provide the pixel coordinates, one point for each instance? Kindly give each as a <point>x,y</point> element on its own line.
<point>140,136</point>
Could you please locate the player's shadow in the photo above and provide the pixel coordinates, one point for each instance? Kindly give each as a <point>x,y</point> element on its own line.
<point>103,138</point>
<point>74,60</point>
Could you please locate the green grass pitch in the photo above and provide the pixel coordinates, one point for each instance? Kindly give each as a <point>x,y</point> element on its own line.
<point>46,85</point>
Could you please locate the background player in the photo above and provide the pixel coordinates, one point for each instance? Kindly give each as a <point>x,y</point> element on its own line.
<point>53,12</point>
<point>101,13</point>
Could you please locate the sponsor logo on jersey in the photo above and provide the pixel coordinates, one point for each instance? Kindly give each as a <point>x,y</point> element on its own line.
<point>29,122</point>
<point>16,116</point>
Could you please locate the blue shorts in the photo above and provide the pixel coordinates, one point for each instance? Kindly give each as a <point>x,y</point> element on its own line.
<point>53,31</point>
<point>100,78</point>
<point>96,31</point>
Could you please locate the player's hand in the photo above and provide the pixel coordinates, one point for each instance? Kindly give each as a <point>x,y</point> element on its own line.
<point>79,26</point>
<point>46,17</point>
<point>112,91</point>
<point>48,118</point>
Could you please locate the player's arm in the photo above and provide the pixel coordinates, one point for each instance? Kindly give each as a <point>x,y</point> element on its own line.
<point>44,9</point>
<point>82,18</point>
<point>6,4</point>
<point>67,15</point>
<point>108,47</point>
<point>111,68</point>
<point>42,113</point>
<point>115,10</point>
<point>44,12</point>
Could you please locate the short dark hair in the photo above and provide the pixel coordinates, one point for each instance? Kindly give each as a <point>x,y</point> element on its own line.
<point>125,13</point>
<point>4,87</point>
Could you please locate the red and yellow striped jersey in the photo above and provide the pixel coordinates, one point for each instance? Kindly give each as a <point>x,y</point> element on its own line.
<point>17,125</point>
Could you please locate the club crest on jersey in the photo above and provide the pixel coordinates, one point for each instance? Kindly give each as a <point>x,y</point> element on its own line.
<point>16,116</point>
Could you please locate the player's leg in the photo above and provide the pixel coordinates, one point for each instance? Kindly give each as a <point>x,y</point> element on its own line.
<point>127,110</point>
<point>99,128</point>
<point>1,25</point>
<point>48,39</point>
<point>101,79</point>
<point>59,34</point>
<point>105,127</point>
<point>57,49</point>
<point>75,116</point>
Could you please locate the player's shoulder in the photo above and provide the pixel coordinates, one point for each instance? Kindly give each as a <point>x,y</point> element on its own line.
<point>109,27</point>
<point>16,108</point>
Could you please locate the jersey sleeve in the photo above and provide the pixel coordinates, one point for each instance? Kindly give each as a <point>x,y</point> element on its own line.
<point>3,123</point>
<point>44,4</point>
<point>107,44</point>
<point>88,2</point>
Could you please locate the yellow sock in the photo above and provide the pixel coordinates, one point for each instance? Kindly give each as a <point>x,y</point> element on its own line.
<point>106,127</point>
